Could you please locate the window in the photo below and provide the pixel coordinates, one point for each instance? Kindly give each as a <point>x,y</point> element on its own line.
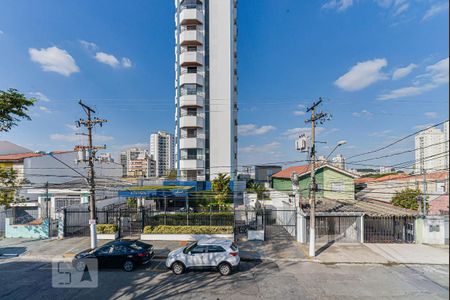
<point>120,249</point>
<point>198,249</point>
<point>215,249</point>
<point>192,70</point>
<point>104,250</point>
<point>192,133</point>
<point>191,48</point>
<point>337,186</point>
<point>191,27</point>
<point>191,153</point>
<point>192,111</point>
<point>434,228</point>
<point>189,247</point>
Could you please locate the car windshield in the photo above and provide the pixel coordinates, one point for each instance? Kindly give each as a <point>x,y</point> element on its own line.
<point>189,247</point>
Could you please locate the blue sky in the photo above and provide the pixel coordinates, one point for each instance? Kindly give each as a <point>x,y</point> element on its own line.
<point>381,66</point>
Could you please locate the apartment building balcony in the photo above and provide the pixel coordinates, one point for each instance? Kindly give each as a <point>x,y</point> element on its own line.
<point>191,59</point>
<point>192,143</point>
<point>192,164</point>
<point>194,78</point>
<point>192,100</point>
<point>191,37</point>
<point>187,121</point>
<point>192,16</point>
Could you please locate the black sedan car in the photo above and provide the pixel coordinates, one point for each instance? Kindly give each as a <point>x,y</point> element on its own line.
<point>116,254</point>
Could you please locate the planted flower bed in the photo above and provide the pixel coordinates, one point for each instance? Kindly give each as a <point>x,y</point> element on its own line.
<point>186,233</point>
<point>192,219</point>
<point>107,232</point>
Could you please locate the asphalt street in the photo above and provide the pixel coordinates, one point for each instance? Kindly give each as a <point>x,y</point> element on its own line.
<point>254,280</point>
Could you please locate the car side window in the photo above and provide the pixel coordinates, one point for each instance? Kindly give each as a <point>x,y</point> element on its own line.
<point>198,249</point>
<point>215,249</point>
<point>120,249</point>
<point>104,250</point>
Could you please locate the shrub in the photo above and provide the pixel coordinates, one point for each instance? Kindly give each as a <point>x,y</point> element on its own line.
<point>406,198</point>
<point>106,228</point>
<point>188,229</point>
<point>196,219</point>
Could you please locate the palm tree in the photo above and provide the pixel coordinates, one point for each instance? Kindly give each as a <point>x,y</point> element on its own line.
<point>221,188</point>
<point>257,188</point>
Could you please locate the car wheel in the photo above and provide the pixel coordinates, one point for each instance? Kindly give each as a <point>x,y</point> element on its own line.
<point>224,269</point>
<point>128,266</point>
<point>177,268</point>
<point>80,265</point>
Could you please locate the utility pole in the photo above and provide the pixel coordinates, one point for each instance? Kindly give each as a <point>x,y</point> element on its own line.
<point>319,117</point>
<point>424,181</point>
<point>89,123</point>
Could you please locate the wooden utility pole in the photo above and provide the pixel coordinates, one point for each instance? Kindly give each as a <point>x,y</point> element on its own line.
<point>319,118</point>
<point>91,150</point>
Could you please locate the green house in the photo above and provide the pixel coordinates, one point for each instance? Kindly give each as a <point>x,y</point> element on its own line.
<point>332,182</point>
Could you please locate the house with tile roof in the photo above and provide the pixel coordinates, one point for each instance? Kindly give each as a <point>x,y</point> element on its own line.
<point>383,188</point>
<point>332,182</point>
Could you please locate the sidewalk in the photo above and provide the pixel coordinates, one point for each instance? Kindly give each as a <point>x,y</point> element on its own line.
<point>275,250</point>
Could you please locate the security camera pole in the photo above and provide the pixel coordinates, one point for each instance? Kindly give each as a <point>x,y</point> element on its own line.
<point>319,118</point>
<point>91,150</point>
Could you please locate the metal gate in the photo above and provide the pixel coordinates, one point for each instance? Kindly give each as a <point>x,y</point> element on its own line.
<point>340,229</point>
<point>131,222</point>
<point>389,229</point>
<point>280,224</point>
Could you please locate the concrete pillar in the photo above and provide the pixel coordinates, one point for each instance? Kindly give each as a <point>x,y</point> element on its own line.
<point>361,228</point>
<point>301,227</point>
<point>60,222</point>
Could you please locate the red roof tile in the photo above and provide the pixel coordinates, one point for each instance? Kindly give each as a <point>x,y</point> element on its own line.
<point>18,157</point>
<point>300,170</point>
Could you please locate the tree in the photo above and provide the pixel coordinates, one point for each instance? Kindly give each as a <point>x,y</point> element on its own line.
<point>172,175</point>
<point>221,189</point>
<point>406,198</point>
<point>8,186</point>
<point>13,107</point>
<point>257,188</point>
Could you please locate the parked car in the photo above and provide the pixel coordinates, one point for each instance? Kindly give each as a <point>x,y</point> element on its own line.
<point>124,254</point>
<point>222,255</point>
<point>183,209</point>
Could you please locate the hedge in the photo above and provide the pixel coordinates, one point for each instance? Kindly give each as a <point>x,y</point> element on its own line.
<point>106,228</point>
<point>195,219</point>
<point>188,229</point>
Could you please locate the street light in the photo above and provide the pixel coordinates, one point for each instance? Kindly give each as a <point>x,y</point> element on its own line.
<point>340,143</point>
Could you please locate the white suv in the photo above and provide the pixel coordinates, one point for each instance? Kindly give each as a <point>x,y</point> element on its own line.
<point>222,255</point>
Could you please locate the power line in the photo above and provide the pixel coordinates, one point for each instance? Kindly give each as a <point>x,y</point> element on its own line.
<point>397,141</point>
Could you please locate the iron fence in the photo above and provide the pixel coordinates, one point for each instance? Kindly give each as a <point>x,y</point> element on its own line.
<point>390,229</point>
<point>342,229</point>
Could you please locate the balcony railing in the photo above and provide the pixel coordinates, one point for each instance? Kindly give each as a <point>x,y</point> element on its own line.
<point>193,157</point>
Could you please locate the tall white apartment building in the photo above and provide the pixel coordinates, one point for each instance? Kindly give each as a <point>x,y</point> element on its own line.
<point>431,152</point>
<point>162,150</point>
<point>137,162</point>
<point>206,88</point>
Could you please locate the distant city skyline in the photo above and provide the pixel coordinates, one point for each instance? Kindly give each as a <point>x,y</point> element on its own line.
<point>382,79</point>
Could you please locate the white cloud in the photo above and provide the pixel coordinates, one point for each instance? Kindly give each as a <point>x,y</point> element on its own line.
<point>362,75</point>
<point>400,6</point>
<point>72,127</point>
<point>339,5</point>
<point>252,129</point>
<point>363,114</point>
<point>299,113</point>
<point>431,115</point>
<point>293,133</point>
<point>435,9</point>
<point>126,62</point>
<point>1,32</point>
<point>39,96</point>
<point>136,145</point>
<point>383,133</point>
<point>402,72</point>
<point>54,59</point>
<point>423,126</point>
<point>270,148</point>
<point>108,59</point>
<point>436,75</point>
<point>88,45</point>
<point>74,138</point>
<point>45,109</point>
